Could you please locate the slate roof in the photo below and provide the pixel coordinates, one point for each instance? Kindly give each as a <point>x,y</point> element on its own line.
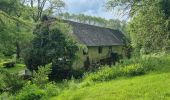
<point>91,35</point>
<point>96,36</point>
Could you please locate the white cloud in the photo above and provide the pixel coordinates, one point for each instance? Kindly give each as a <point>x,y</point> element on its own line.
<point>89,7</point>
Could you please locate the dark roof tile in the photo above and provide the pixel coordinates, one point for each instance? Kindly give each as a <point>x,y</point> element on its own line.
<point>96,36</point>
<point>91,35</point>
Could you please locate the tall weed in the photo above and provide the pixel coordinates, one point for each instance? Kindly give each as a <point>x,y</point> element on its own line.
<point>131,67</point>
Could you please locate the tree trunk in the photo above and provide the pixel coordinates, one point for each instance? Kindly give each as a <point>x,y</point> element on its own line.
<point>18,50</point>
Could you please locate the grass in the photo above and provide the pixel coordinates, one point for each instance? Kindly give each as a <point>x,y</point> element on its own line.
<point>147,78</point>
<point>16,69</point>
<point>147,87</point>
<point>142,78</point>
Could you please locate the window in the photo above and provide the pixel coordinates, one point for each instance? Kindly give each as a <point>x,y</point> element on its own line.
<point>100,50</point>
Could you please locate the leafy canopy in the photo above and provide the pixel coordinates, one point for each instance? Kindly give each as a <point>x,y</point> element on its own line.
<point>53,43</point>
<point>149,25</point>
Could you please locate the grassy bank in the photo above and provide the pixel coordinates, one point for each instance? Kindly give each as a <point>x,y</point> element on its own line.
<point>141,78</point>
<point>145,78</point>
<point>147,87</point>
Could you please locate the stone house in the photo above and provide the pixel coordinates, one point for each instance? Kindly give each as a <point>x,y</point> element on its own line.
<point>103,45</point>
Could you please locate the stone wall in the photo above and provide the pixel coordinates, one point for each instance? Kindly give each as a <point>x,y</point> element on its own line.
<point>95,56</point>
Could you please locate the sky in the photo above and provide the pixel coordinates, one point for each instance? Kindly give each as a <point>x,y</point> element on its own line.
<point>90,7</point>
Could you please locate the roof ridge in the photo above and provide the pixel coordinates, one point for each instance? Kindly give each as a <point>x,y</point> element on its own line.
<point>87,24</point>
<point>92,35</point>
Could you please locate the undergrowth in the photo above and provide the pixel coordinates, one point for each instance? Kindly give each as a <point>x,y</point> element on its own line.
<point>130,67</point>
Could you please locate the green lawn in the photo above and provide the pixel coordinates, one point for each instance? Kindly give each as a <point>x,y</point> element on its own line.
<point>155,86</point>
<point>16,69</point>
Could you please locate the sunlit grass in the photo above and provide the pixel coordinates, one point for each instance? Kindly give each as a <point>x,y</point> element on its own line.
<point>147,87</point>
<point>153,85</point>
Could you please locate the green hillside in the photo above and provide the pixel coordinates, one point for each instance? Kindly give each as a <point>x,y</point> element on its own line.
<point>148,87</point>
<point>75,50</point>
<point>130,82</point>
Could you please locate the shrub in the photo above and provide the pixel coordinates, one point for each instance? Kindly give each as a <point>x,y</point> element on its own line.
<point>133,70</point>
<point>31,92</point>
<point>51,90</point>
<point>156,62</point>
<point>72,84</point>
<point>41,76</point>
<point>6,96</point>
<point>108,73</point>
<point>11,83</point>
<point>131,67</point>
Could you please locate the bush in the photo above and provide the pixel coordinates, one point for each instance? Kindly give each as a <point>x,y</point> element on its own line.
<point>31,92</point>
<point>39,87</point>
<point>108,73</point>
<point>156,62</point>
<point>51,90</point>
<point>133,70</point>
<point>34,92</point>
<point>6,96</point>
<point>11,83</point>
<point>131,67</point>
<point>40,77</point>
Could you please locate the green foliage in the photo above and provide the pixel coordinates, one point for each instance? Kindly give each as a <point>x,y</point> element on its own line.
<point>132,67</point>
<point>6,96</point>
<point>12,34</point>
<point>40,77</point>
<point>10,82</point>
<point>39,87</point>
<point>54,44</point>
<point>10,6</point>
<point>108,73</point>
<point>40,7</point>
<point>92,20</point>
<point>34,92</point>
<point>153,85</point>
<point>30,92</point>
<point>148,29</point>
<point>146,87</point>
<point>15,32</point>
<point>51,89</point>
<point>149,24</point>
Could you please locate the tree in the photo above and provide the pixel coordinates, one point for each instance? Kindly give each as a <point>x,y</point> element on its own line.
<point>149,25</point>
<point>55,6</point>
<point>10,34</point>
<point>129,6</point>
<point>92,20</point>
<point>14,27</point>
<point>40,7</point>
<point>52,44</point>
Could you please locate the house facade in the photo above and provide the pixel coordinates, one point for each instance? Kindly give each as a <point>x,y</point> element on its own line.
<point>103,45</point>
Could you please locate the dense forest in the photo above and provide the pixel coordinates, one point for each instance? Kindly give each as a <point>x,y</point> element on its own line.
<point>28,41</point>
